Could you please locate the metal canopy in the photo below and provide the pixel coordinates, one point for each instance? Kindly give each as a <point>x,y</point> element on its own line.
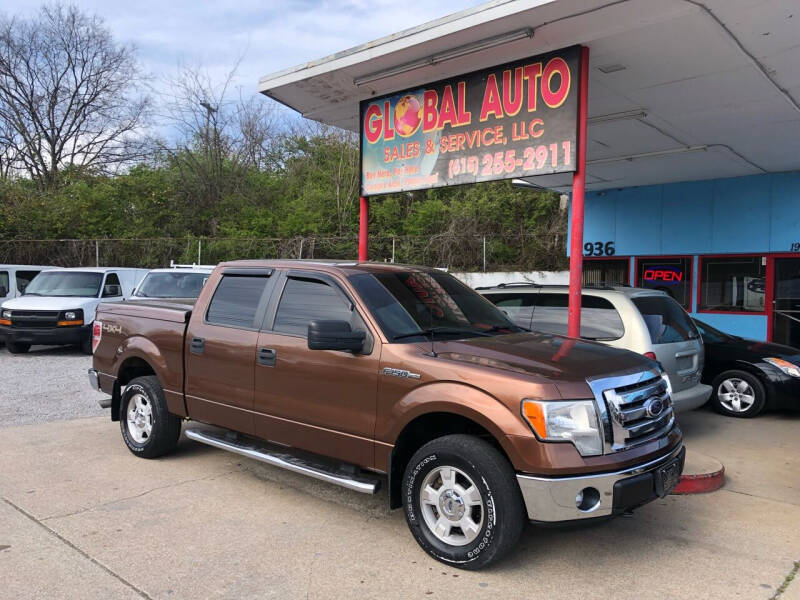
<point>679,89</point>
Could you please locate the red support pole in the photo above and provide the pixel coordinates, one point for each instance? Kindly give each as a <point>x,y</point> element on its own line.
<point>363,230</point>
<point>576,221</point>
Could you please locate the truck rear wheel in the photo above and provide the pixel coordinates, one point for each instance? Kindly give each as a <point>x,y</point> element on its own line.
<point>462,501</point>
<point>148,428</point>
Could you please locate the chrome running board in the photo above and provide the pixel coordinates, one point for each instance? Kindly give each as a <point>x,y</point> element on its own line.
<point>279,456</point>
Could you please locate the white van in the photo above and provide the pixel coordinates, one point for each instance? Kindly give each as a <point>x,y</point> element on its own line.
<point>15,278</point>
<point>58,306</point>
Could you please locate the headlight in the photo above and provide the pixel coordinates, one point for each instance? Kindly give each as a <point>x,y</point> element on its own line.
<point>785,366</point>
<point>70,315</point>
<point>6,314</point>
<point>574,421</point>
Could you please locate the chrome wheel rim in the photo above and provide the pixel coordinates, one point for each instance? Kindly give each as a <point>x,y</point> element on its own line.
<point>451,506</point>
<point>140,418</point>
<point>736,395</point>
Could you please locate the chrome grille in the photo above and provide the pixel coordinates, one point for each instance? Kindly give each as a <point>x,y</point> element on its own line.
<point>634,408</point>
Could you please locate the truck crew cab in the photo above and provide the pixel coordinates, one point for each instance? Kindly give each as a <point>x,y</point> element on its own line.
<point>358,374</point>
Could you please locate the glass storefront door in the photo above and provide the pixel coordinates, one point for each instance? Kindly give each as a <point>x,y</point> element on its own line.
<point>786,312</point>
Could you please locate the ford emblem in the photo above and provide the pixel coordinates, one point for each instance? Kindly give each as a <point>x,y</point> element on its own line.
<point>653,407</point>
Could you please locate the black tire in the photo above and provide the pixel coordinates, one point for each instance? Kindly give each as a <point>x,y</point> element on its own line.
<point>759,394</point>
<point>501,505</point>
<point>86,346</point>
<point>166,427</point>
<point>17,347</point>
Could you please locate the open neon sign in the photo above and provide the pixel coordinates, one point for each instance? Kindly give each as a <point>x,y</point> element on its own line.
<point>663,275</point>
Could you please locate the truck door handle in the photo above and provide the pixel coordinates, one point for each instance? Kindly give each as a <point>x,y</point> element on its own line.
<point>197,345</point>
<point>266,357</point>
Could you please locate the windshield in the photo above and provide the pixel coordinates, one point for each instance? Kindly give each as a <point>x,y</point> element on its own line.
<point>65,283</point>
<point>413,305</point>
<point>666,321</point>
<point>171,285</point>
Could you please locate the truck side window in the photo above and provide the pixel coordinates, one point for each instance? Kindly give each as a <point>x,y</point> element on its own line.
<point>236,300</point>
<point>306,300</point>
<point>4,285</point>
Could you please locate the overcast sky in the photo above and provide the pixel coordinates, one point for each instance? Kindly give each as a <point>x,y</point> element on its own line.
<point>268,35</point>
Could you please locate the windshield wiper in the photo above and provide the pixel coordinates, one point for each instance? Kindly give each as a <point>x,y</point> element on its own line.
<point>31,294</point>
<point>510,328</point>
<point>445,330</point>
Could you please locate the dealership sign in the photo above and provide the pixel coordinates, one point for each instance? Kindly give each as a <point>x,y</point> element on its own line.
<point>515,120</point>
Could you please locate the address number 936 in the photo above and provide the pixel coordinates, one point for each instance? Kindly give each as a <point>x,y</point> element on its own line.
<point>598,249</point>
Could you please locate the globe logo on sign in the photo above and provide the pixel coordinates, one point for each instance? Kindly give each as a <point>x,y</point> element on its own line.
<point>407,115</point>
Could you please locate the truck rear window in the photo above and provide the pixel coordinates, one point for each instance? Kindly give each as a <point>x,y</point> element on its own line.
<point>235,301</point>
<point>666,321</point>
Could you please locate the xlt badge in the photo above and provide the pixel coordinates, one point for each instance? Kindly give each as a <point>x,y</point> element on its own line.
<point>400,373</point>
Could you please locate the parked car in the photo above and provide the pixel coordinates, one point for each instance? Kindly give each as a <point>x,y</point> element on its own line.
<point>646,321</point>
<point>182,282</point>
<point>15,278</point>
<point>59,305</point>
<point>356,371</point>
<point>748,376</point>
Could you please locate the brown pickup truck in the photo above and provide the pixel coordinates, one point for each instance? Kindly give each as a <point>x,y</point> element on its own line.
<point>359,374</point>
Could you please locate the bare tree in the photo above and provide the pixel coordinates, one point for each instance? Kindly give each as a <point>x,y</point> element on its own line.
<point>218,139</point>
<point>68,94</point>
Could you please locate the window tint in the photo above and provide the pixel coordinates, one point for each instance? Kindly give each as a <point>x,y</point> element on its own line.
<point>518,307</point>
<point>736,283</point>
<point>670,275</point>
<point>23,279</point>
<point>666,321</point>
<point>112,286</point>
<point>4,287</point>
<point>409,304</point>
<point>306,300</point>
<point>236,300</point>
<point>599,319</point>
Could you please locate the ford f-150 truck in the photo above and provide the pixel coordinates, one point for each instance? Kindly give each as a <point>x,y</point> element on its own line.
<point>363,374</point>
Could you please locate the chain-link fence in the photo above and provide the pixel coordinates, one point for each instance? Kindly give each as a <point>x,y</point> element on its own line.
<point>462,253</point>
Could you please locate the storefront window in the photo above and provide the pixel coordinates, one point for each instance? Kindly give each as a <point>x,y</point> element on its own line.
<point>670,275</point>
<point>613,271</point>
<point>733,283</point>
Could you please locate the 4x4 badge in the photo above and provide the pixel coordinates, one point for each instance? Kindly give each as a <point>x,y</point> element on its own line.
<point>400,373</point>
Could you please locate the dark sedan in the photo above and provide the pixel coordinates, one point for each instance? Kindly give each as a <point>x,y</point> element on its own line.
<point>748,376</point>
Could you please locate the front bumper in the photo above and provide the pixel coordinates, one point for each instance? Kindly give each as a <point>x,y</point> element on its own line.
<point>550,499</point>
<point>691,398</point>
<point>46,336</point>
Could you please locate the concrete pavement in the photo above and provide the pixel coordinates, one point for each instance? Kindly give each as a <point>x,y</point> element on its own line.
<point>80,517</point>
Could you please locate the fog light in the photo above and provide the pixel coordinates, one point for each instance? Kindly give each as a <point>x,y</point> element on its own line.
<point>588,499</point>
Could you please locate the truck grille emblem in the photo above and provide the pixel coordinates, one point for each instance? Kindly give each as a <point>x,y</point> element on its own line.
<point>653,407</point>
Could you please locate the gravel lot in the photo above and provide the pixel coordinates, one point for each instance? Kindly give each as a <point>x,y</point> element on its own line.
<point>46,384</point>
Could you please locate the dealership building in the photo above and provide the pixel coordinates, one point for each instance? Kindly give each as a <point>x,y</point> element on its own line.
<point>693,139</point>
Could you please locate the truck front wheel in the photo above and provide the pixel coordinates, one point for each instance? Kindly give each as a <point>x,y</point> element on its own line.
<point>148,428</point>
<point>462,501</point>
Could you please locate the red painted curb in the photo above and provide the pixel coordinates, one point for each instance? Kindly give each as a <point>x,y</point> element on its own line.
<point>700,484</point>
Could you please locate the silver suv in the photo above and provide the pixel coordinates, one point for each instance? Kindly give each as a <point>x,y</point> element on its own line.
<point>646,321</point>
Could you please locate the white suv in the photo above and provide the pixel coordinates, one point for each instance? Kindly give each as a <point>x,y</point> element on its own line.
<point>646,321</point>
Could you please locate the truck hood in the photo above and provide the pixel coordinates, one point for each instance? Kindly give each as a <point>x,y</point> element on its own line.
<point>52,303</point>
<point>552,357</point>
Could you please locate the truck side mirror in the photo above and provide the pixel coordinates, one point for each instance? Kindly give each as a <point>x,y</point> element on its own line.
<point>111,290</point>
<point>334,335</point>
